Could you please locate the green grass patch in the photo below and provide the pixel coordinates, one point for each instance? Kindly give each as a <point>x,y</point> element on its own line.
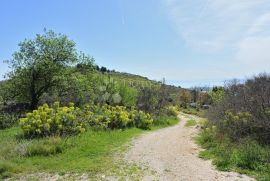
<point>192,111</point>
<point>246,156</point>
<point>91,152</point>
<point>190,123</point>
<point>164,121</point>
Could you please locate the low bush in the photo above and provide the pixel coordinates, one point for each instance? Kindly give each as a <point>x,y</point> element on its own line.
<point>113,117</point>
<point>241,109</point>
<point>117,117</point>
<point>141,120</point>
<point>203,123</point>
<point>236,126</point>
<point>245,156</point>
<point>172,111</point>
<point>46,121</point>
<point>7,120</point>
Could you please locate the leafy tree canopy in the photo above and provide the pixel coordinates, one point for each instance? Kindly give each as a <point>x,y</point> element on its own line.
<point>39,64</point>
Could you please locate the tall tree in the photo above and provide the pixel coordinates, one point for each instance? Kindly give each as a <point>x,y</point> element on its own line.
<point>37,64</point>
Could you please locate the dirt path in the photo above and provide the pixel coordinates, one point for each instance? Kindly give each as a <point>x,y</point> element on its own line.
<point>172,155</point>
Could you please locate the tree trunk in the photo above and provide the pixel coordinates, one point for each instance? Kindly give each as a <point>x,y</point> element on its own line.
<point>33,93</point>
<point>34,102</point>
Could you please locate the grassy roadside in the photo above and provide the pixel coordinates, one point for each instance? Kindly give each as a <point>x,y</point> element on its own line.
<point>190,123</point>
<point>192,111</point>
<point>91,152</point>
<point>246,157</point>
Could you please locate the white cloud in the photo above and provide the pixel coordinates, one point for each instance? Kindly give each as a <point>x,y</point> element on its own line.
<point>213,24</point>
<point>241,27</point>
<point>253,49</point>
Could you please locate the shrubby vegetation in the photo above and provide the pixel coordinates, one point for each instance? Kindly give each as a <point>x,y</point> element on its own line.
<point>172,110</point>
<point>46,121</point>
<point>48,69</point>
<point>245,156</point>
<point>7,120</point>
<point>95,103</point>
<point>68,120</point>
<point>242,109</point>
<point>237,134</point>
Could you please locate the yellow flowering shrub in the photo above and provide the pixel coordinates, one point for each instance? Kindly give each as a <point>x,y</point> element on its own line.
<point>118,117</point>
<point>172,110</point>
<point>141,119</point>
<point>56,120</point>
<point>241,118</point>
<point>203,123</point>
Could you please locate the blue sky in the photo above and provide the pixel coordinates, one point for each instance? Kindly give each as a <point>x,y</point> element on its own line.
<point>198,42</point>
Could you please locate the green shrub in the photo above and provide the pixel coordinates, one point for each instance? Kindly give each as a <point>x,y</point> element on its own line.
<point>172,111</point>
<point>203,123</point>
<point>113,117</point>
<point>246,155</point>
<point>7,120</point>
<point>236,125</point>
<point>117,117</point>
<point>57,120</point>
<point>128,94</point>
<point>142,120</point>
<point>69,120</point>
<point>241,109</point>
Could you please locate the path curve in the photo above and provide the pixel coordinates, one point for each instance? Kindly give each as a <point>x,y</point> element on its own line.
<point>172,155</point>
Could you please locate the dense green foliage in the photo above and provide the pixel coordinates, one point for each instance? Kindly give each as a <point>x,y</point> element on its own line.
<point>57,120</point>
<point>48,69</point>
<point>172,111</point>
<point>117,117</point>
<point>237,134</point>
<point>68,120</point>
<point>7,120</point>
<point>245,156</point>
<point>242,109</point>
<point>37,64</point>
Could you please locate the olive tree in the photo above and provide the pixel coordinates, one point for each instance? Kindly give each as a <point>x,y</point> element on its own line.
<point>37,66</point>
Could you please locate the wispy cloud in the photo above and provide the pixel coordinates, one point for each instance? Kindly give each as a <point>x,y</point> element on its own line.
<point>241,27</point>
<point>214,24</point>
